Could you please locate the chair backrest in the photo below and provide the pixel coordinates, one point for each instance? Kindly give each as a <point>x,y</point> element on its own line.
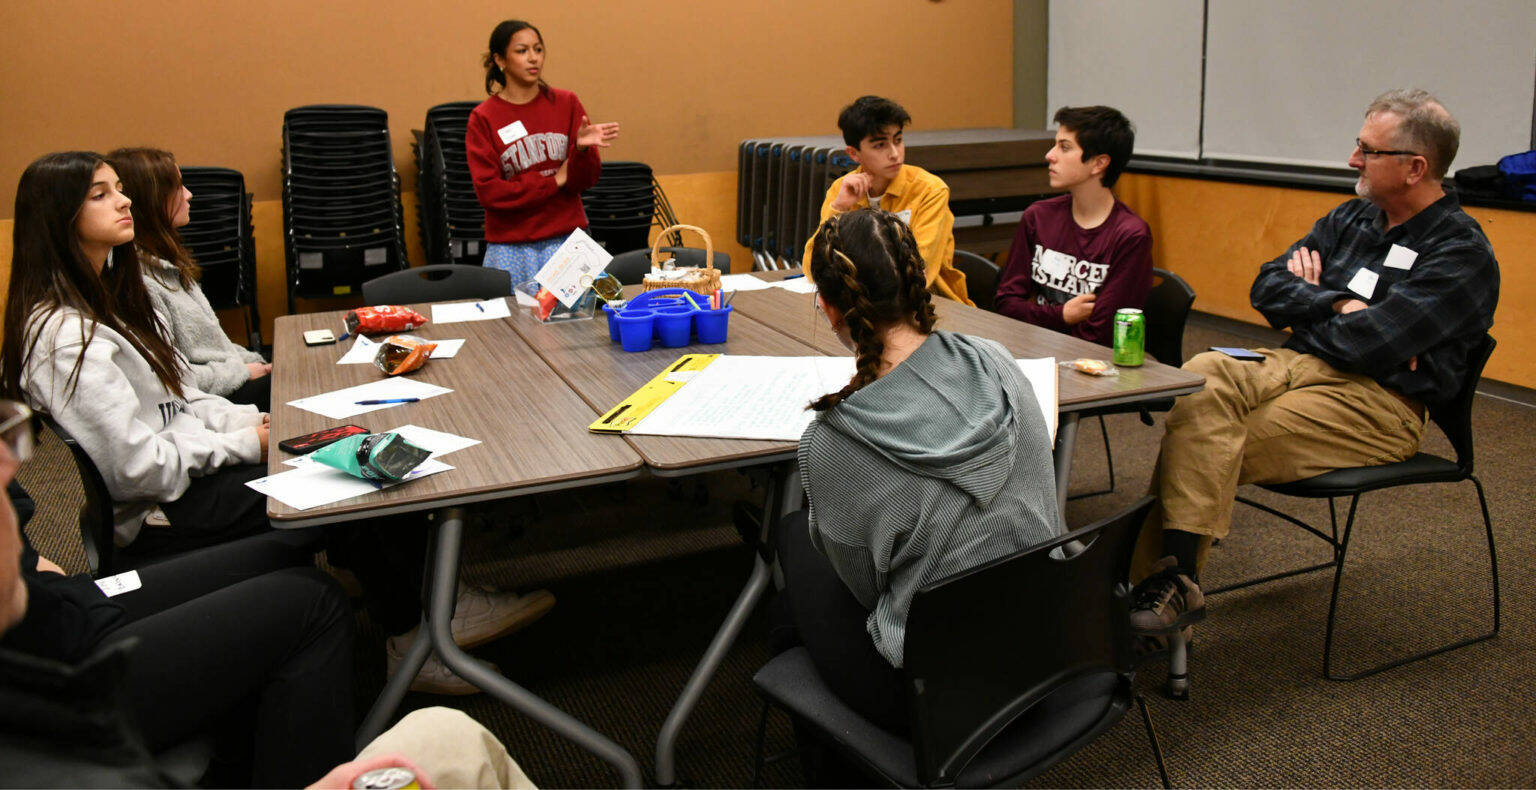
<point>985,646</point>
<point>980,277</point>
<point>437,283</point>
<point>96,521</point>
<point>1167,310</point>
<point>1455,416</point>
<point>631,267</point>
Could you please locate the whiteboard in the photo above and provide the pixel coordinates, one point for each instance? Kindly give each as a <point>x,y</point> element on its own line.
<point>1140,58</point>
<point>1289,82</point>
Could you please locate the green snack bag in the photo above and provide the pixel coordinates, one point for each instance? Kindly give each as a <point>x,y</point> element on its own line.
<point>385,457</point>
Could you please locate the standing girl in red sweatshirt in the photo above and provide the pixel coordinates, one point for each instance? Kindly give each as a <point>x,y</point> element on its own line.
<point>532,152</point>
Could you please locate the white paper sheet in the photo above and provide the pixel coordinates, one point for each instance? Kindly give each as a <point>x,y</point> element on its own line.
<point>579,257</point>
<point>799,285</point>
<point>341,404</point>
<point>313,484</point>
<point>742,282</point>
<point>745,397</point>
<point>117,585</point>
<point>438,443</point>
<point>455,312</point>
<point>363,351</point>
<point>1041,374</point>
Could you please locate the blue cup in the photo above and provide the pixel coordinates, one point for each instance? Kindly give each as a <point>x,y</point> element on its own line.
<point>635,328</point>
<point>713,325</point>
<point>613,326</point>
<point>674,327</point>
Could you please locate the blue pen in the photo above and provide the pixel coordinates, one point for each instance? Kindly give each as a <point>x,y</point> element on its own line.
<point>793,276</point>
<point>479,307</point>
<point>343,337</point>
<point>382,401</point>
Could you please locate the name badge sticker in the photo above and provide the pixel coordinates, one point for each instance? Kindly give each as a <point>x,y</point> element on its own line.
<point>512,132</point>
<point>1055,264</point>
<point>1364,283</point>
<point>905,215</point>
<point>1400,257</point>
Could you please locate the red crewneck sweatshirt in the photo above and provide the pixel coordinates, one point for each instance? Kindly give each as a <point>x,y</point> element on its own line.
<point>514,151</point>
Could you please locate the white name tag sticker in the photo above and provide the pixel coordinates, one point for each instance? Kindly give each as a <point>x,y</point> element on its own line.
<point>512,132</point>
<point>905,215</point>
<point>1055,264</point>
<point>1364,283</point>
<point>119,584</point>
<point>1400,257</point>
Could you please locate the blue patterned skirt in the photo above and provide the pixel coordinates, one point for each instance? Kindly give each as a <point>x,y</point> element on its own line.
<point>522,260</point>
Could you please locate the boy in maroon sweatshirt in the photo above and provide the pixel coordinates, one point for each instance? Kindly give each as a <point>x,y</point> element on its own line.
<point>1079,257</point>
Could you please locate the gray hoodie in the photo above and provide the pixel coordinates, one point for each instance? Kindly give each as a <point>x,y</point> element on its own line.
<point>214,363</point>
<point>939,466</point>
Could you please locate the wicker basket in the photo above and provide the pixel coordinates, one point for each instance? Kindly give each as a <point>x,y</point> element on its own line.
<point>704,280</point>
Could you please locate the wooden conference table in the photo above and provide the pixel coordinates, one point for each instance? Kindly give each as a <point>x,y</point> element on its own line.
<point>529,390</point>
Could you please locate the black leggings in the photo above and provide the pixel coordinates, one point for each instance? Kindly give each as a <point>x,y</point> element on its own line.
<point>830,622</point>
<point>264,663</point>
<point>257,392</point>
<point>387,554</point>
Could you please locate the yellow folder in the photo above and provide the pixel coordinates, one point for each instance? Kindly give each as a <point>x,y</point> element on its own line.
<point>638,406</point>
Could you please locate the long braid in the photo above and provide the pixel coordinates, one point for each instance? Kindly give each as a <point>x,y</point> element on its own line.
<point>869,347</point>
<point>913,271</point>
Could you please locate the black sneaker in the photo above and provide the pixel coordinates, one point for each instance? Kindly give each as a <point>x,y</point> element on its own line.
<point>1166,601</point>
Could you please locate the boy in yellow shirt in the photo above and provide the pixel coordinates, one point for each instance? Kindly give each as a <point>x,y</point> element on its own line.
<point>872,129</point>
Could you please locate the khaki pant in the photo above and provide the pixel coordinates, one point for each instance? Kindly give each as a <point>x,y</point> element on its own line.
<point>1287,418</point>
<point>452,749</point>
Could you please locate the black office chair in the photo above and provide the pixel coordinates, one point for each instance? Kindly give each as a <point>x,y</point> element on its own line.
<point>980,277</point>
<point>1455,420</point>
<point>437,283</point>
<point>1011,667</point>
<point>630,267</point>
<point>1166,311</point>
<point>96,519</point>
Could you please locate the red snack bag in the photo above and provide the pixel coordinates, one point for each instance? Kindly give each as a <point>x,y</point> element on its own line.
<point>382,318</point>
<point>547,302</point>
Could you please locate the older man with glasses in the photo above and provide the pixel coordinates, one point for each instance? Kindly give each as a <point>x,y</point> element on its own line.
<point>1386,299</point>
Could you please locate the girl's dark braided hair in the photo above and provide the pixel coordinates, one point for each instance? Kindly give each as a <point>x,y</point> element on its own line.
<point>866,264</point>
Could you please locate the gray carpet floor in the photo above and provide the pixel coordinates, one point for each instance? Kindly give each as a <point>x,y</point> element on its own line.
<point>646,570</point>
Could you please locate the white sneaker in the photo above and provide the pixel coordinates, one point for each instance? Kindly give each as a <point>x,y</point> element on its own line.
<point>435,677</point>
<point>481,616</point>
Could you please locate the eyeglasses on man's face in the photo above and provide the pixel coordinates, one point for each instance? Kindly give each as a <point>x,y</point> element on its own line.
<point>1366,150</point>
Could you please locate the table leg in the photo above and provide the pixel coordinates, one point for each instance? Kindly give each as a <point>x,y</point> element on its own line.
<point>437,622</point>
<point>1066,443</point>
<point>783,492</point>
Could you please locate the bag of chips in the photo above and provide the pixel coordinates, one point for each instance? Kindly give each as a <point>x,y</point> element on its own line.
<point>1093,367</point>
<point>403,354</point>
<point>384,457</point>
<point>382,318</point>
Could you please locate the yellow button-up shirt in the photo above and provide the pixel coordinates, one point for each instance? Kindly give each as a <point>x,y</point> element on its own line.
<point>926,197</point>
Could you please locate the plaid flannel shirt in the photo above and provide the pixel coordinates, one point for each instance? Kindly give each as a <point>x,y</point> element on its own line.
<point>1437,310</point>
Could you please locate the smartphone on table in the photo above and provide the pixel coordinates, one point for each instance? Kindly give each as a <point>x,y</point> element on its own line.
<point>310,442</point>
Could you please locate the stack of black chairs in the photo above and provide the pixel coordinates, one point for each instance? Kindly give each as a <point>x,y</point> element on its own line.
<point>451,220</point>
<point>341,200</point>
<point>221,242</point>
<point>623,205</point>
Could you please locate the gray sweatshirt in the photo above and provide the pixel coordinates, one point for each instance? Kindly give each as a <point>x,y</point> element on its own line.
<point>937,467</point>
<point>217,364</point>
<point>146,442</point>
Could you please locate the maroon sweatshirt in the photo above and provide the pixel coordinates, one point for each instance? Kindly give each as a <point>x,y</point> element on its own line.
<point>1053,259</point>
<point>514,151</point>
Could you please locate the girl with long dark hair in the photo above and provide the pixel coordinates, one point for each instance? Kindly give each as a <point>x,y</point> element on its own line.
<point>532,152</point>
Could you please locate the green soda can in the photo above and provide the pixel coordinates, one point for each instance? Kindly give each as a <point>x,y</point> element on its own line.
<point>1130,337</point>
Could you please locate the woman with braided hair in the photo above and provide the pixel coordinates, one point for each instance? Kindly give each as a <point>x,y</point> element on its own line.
<point>934,459</point>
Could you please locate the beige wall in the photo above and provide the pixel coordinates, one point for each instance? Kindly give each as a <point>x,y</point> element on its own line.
<point>688,80</point>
